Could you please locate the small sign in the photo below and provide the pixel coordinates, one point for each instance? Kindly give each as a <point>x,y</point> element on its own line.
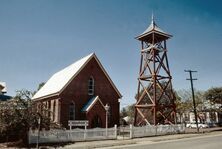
<point>78,123</point>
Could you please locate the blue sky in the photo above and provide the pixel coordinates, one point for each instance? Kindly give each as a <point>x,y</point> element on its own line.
<point>40,37</point>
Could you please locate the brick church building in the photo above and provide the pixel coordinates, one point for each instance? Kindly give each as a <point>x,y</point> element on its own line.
<point>80,92</point>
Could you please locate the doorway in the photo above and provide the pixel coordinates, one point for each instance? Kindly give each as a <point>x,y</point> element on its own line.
<point>96,122</point>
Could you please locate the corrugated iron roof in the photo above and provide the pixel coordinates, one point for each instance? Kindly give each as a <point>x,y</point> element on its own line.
<point>4,97</point>
<point>153,28</point>
<point>90,104</point>
<point>61,79</point>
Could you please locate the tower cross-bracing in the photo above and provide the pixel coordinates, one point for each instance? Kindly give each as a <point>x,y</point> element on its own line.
<point>155,100</point>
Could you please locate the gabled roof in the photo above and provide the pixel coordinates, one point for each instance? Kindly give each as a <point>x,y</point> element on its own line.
<point>91,103</point>
<point>153,28</point>
<point>4,97</point>
<point>58,82</point>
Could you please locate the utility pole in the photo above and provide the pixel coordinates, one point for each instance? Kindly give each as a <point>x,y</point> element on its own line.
<point>194,103</point>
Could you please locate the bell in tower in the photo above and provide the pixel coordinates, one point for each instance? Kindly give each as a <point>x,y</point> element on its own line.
<point>155,100</point>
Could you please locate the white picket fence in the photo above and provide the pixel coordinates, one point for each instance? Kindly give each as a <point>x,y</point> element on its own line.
<point>73,135</point>
<point>101,133</point>
<point>149,130</point>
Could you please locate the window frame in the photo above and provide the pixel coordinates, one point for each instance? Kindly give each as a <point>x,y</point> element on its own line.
<point>72,111</point>
<point>91,86</point>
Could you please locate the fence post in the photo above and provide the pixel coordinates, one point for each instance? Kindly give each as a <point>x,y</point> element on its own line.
<point>155,129</point>
<point>184,128</point>
<point>115,129</point>
<point>68,135</point>
<point>85,132</point>
<point>131,131</point>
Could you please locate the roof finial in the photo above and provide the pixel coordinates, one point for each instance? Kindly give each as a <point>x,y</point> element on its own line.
<point>152,19</point>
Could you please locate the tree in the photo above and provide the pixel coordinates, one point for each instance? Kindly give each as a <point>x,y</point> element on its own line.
<point>185,103</point>
<point>18,115</point>
<point>214,96</point>
<point>186,97</point>
<point>131,111</point>
<point>123,113</point>
<point>128,111</point>
<point>39,87</point>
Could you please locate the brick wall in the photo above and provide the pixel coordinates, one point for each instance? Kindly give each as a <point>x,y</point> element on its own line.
<point>77,91</point>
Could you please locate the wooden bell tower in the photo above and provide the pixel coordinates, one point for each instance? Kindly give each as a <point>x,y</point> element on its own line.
<point>155,100</point>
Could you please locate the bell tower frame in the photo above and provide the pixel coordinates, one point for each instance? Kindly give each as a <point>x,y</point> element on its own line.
<point>155,100</point>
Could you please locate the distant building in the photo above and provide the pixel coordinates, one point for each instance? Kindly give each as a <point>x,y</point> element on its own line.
<point>209,114</point>
<point>79,92</point>
<point>3,91</point>
<point>211,117</point>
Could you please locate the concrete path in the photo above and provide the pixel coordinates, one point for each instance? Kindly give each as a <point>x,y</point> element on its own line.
<point>126,141</point>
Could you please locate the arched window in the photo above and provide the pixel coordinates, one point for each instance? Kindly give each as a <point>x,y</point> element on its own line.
<point>72,111</point>
<point>91,85</point>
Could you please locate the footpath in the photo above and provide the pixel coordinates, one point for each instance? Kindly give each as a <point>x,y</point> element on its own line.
<point>124,141</point>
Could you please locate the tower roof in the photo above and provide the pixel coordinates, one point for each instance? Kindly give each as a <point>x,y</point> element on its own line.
<point>153,28</point>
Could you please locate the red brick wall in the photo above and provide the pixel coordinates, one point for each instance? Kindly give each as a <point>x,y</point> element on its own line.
<point>77,91</point>
<point>97,110</point>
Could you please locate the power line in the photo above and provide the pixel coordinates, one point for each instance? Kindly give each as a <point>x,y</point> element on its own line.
<point>191,79</point>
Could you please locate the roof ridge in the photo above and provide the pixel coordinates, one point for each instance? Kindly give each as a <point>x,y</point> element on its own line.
<point>74,63</point>
<point>57,81</point>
